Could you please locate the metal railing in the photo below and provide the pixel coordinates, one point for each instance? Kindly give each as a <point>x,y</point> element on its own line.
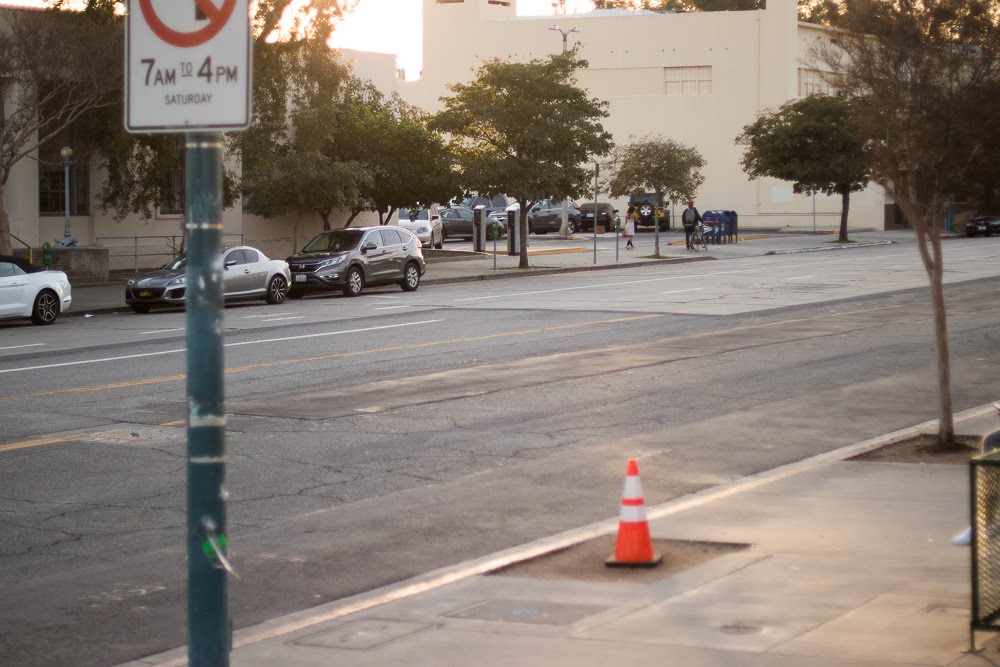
<point>984,472</point>
<point>146,246</point>
<point>26,245</point>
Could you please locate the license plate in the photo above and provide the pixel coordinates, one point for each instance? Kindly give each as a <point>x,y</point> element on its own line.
<point>144,292</point>
<point>300,277</point>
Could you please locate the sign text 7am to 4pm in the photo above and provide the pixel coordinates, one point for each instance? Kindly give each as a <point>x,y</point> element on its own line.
<point>187,65</point>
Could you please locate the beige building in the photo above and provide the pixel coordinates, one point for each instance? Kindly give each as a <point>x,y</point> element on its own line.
<point>697,78</point>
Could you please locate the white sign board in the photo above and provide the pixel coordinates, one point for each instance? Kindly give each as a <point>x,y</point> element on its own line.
<point>187,65</point>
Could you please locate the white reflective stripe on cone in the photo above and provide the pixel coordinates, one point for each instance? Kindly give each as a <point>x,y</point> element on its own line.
<point>633,487</point>
<point>633,514</point>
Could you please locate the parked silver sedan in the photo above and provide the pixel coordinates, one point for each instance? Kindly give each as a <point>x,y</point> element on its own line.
<point>248,274</point>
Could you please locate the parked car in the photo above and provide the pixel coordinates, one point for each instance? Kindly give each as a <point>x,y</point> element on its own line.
<point>354,258</point>
<point>605,214</point>
<point>546,216</point>
<point>649,206</point>
<point>987,225</point>
<point>490,204</point>
<point>31,292</point>
<point>247,274</point>
<point>425,223</point>
<point>458,221</point>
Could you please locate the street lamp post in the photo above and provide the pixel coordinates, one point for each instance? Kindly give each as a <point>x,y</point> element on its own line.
<point>67,155</point>
<point>565,34</point>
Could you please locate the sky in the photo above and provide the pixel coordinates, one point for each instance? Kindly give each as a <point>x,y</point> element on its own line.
<point>395,26</point>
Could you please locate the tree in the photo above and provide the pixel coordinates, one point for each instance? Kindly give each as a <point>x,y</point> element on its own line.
<point>410,163</point>
<point>681,5</point>
<point>292,65</point>
<point>525,129</point>
<point>813,143</point>
<point>664,166</point>
<point>925,75</point>
<point>51,76</point>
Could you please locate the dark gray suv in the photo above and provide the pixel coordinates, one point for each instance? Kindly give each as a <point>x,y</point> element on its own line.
<point>352,259</point>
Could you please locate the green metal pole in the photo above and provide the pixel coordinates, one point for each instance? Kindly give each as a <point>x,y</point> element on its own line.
<point>209,629</point>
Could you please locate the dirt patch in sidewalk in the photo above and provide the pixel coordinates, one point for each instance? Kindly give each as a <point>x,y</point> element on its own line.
<point>585,561</point>
<point>923,449</point>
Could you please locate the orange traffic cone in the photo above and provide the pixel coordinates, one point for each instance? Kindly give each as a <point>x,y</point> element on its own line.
<point>634,547</point>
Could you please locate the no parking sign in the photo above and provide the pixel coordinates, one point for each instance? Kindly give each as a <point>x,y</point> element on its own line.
<point>187,65</point>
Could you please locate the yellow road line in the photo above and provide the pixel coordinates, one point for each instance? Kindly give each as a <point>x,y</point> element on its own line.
<point>285,362</point>
<point>36,443</point>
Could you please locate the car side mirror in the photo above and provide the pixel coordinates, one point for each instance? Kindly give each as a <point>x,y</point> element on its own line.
<point>368,246</point>
<point>230,262</point>
<point>435,217</point>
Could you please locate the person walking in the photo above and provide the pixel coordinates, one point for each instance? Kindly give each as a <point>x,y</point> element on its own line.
<point>690,218</point>
<point>630,219</point>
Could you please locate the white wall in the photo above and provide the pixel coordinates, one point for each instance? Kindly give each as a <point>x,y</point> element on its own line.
<point>755,57</point>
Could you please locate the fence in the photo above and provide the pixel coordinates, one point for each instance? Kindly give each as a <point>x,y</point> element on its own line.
<point>984,488</point>
<point>163,247</point>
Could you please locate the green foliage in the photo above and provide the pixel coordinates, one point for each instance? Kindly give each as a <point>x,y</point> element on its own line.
<point>525,129</point>
<point>51,77</point>
<point>653,164</point>
<point>811,142</point>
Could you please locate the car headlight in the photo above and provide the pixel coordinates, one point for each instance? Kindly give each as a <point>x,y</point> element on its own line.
<point>178,281</point>
<point>333,261</point>
<point>422,230</point>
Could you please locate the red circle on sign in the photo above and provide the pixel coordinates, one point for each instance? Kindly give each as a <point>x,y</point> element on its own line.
<point>217,21</point>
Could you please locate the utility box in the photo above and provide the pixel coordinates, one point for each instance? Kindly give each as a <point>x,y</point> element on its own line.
<point>479,222</point>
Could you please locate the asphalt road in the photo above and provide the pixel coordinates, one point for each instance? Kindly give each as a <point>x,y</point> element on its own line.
<point>373,439</point>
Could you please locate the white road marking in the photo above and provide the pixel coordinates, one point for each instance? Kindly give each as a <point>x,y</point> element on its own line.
<point>249,342</point>
<point>158,331</point>
<point>282,319</point>
<point>251,317</point>
<point>801,277</point>
<point>678,291</point>
<point>15,347</point>
<point>405,305</point>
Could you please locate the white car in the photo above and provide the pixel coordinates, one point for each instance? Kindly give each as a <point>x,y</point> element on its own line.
<point>425,223</point>
<point>28,291</point>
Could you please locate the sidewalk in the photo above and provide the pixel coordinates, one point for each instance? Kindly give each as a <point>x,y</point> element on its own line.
<point>847,563</point>
<point>835,562</point>
<point>549,254</point>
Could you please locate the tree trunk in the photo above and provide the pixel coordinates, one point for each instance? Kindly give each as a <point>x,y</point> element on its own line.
<point>656,222</point>
<point>5,248</point>
<point>928,229</point>
<point>523,225</point>
<point>845,206</point>
<point>326,219</point>
<point>350,220</point>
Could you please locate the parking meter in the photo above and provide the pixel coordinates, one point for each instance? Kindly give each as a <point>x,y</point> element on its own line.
<point>479,221</point>
<point>47,254</point>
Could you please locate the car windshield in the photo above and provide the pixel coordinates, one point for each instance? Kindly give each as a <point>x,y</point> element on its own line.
<point>335,241</point>
<point>413,214</point>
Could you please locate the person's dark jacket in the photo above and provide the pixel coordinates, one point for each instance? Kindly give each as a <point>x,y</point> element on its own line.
<point>692,223</point>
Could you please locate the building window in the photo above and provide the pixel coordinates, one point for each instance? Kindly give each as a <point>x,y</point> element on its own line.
<point>52,181</point>
<point>172,196</point>
<point>811,81</point>
<point>688,80</point>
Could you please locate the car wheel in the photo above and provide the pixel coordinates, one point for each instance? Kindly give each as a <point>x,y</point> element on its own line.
<point>645,210</point>
<point>440,243</point>
<point>355,282</point>
<point>570,227</point>
<point>411,278</point>
<point>277,289</point>
<point>444,235</point>
<point>141,308</point>
<point>46,308</point>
